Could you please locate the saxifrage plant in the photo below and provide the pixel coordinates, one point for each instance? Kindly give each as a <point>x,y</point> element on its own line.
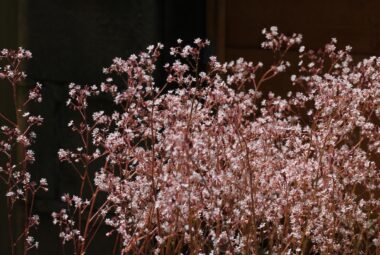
<point>209,163</point>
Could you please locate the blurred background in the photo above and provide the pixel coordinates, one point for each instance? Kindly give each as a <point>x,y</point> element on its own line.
<point>73,40</point>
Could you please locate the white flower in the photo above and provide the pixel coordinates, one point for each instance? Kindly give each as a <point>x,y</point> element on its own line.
<point>10,194</point>
<point>43,182</point>
<point>150,48</point>
<point>197,41</point>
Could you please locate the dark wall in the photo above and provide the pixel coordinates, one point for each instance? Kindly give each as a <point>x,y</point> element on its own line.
<point>72,40</point>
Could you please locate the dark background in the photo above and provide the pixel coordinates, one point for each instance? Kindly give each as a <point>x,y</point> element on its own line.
<point>73,40</point>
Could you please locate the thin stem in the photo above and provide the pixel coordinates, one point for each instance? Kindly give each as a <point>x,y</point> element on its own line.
<point>89,240</point>
<point>7,120</point>
<point>10,225</point>
<point>85,233</point>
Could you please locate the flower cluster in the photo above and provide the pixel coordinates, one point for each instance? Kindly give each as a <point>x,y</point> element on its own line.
<point>11,70</point>
<point>209,162</point>
<point>65,219</point>
<point>16,155</point>
<point>216,166</point>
